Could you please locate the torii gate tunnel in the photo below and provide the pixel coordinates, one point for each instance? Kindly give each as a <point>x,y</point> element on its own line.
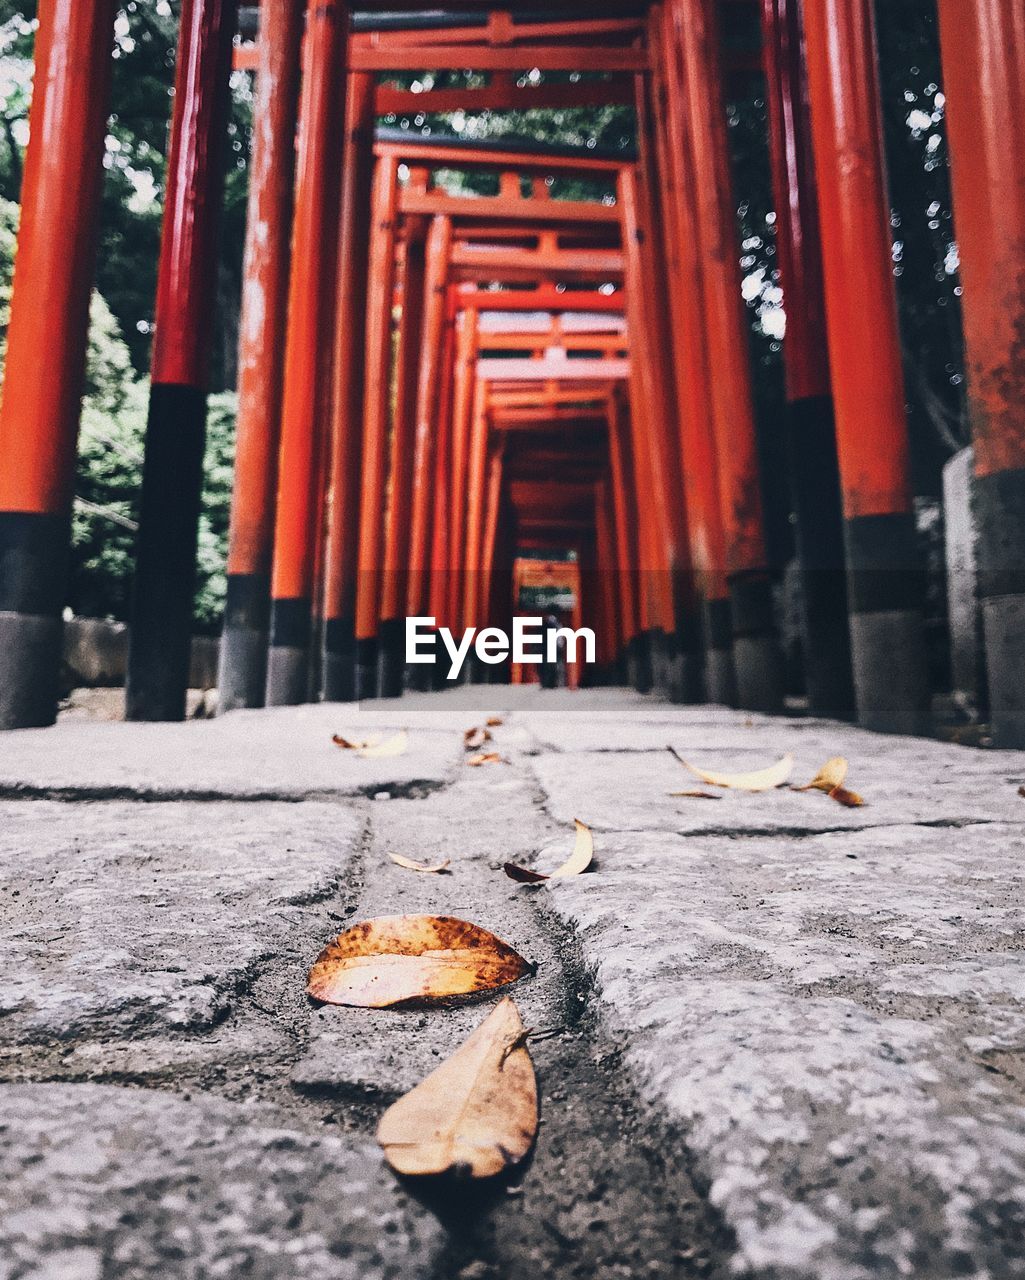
<point>437,388</point>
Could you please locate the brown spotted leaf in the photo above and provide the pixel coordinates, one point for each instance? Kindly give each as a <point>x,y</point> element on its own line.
<point>759,780</point>
<point>578,861</point>
<point>494,721</point>
<point>474,739</point>
<point>411,865</point>
<point>387,960</point>
<point>487,757</point>
<point>476,1114</point>
<point>850,799</point>
<point>355,744</point>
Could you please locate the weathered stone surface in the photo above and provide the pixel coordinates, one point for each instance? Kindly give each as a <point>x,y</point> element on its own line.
<point>101,1183</point>
<point>150,917</point>
<point>831,1020</point>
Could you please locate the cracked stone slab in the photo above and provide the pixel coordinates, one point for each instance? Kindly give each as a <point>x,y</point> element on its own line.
<point>282,753</point>
<point>124,918</point>
<point>630,791</point>
<point>98,1183</point>
<point>830,1020</point>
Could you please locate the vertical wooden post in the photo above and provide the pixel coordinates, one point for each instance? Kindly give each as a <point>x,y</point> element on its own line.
<point>757,656</point>
<point>338,641</point>
<point>440,603</point>
<point>476,479</point>
<point>307,377</point>
<point>984,79</point>
<point>462,410</point>
<point>46,348</point>
<point>814,468</point>
<point>172,481</point>
<point>625,535</point>
<point>884,581</point>
<point>243,664</point>
<point>377,385</point>
<point>413,340</point>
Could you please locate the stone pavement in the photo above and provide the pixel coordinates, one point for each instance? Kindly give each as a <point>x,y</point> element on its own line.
<point>788,1037</point>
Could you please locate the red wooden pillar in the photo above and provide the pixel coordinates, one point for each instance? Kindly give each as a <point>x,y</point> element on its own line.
<point>413,340</point>
<point>693,377</point>
<point>757,656</point>
<point>462,412</point>
<point>172,482</point>
<point>476,480</point>
<point>338,641</point>
<point>814,470</point>
<point>884,582</point>
<point>426,422</point>
<point>984,80</point>
<point>376,392</point>
<point>46,347</point>
<point>625,536</point>
<point>444,505</point>
<point>243,665</point>
<point>307,353</point>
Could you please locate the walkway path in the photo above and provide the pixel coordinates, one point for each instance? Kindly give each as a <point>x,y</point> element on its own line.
<point>790,1035</point>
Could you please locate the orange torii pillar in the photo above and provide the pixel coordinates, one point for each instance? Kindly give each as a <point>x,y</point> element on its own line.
<point>440,602</point>
<point>693,378</point>
<point>376,416</point>
<point>305,400</point>
<point>885,584</point>
<point>403,490</point>
<point>172,479</point>
<point>624,507</point>
<point>814,470</point>
<point>47,346</point>
<point>983,47</point>
<point>758,659</point>
<point>243,662</point>
<point>423,476</point>
<point>338,639</point>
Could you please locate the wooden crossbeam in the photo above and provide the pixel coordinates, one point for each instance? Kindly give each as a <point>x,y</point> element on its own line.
<point>506,95</point>
<point>421,151</point>
<point>544,298</point>
<point>457,57</point>
<point>543,212</point>
<point>549,367</point>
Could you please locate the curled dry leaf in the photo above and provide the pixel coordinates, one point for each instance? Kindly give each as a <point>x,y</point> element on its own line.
<point>476,1114</point>
<point>474,739</point>
<point>486,757</point>
<point>355,744</point>
<point>850,799</point>
<point>494,721</point>
<point>394,746</point>
<point>696,795</point>
<point>578,861</point>
<point>1021,792</point>
<point>394,958</point>
<point>411,865</point>
<point>760,780</point>
<point>830,776</point>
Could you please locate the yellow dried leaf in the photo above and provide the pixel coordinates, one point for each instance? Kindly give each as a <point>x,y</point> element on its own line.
<point>850,799</point>
<point>476,1114</point>
<point>494,721</point>
<point>578,861</point>
<point>759,780</point>
<point>394,958</point>
<point>488,757</point>
<point>695,795</point>
<point>393,746</point>
<point>410,865</point>
<point>832,774</point>
<point>474,739</point>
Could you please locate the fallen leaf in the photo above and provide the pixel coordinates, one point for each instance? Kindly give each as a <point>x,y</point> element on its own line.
<point>832,774</point>
<point>355,744</point>
<point>487,757</point>
<point>475,738</point>
<point>494,721</point>
<point>410,865</point>
<point>850,799</point>
<point>696,795</point>
<point>394,958</point>
<point>476,1114</point>
<point>393,746</point>
<point>1021,792</point>
<point>578,861</point>
<point>760,780</point>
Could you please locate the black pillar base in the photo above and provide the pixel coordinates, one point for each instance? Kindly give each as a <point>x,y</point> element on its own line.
<point>720,673</point>
<point>367,684</point>
<point>886,588</point>
<point>392,658</point>
<point>165,559</point>
<point>757,655</point>
<point>639,662</point>
<point>338,660</point>
<point>820,552</point>
<point>422,676</point>
<point>242,671</point>
<point>288,658</point>
<point>1000,504</point>
<point>30,657</point>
